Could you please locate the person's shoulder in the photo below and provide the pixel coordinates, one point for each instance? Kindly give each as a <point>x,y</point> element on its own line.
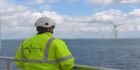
<point>28,39</point>
<point>57,40</point>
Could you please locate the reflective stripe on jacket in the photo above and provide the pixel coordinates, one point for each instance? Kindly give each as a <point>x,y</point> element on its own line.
<point>43,52</point>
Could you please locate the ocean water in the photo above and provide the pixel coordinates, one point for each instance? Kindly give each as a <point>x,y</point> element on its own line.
<point>121,53</point>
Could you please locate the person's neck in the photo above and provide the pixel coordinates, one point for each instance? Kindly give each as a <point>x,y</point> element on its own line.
<point>44,32</point>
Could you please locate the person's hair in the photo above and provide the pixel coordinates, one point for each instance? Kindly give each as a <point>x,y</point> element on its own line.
<point>41,30</point>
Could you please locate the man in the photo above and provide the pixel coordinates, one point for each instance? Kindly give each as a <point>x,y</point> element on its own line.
<point>43,51</point>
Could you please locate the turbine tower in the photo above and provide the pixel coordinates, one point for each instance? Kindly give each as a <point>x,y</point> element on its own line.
<point>115,29</point>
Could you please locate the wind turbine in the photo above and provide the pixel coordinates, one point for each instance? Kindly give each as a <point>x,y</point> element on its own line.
<point>115,29</point>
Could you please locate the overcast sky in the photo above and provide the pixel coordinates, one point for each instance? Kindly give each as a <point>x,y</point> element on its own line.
<point>74,18</point>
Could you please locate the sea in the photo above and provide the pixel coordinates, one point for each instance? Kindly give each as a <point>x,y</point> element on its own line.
<point>120,54</point>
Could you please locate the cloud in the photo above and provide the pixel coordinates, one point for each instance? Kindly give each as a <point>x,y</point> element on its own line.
<point>106,2</point>
<point>21,19</point>
<point>39,1</point>
<point>18,19</point>
<point>45,1</point>
<point>135,12</point>
<point>110,15</point>
<point>14,19</point>
<point>129,1</point>
<point>99,1</point>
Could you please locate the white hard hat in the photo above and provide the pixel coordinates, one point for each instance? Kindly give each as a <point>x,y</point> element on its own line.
<point>44,22</point>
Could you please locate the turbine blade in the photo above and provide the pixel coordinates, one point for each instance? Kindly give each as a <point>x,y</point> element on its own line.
<point>112,23</point>
<point>120,24</point>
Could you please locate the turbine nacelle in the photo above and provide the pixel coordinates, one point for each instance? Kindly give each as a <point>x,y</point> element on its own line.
<point>115,26</point>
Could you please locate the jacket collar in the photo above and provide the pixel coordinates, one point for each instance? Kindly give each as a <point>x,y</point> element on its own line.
<point>47,34</point>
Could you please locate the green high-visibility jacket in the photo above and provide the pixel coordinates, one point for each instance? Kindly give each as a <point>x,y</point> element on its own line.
<point>44,52</point>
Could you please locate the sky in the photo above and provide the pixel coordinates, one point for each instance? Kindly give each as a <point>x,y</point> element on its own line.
<point>74,18</point>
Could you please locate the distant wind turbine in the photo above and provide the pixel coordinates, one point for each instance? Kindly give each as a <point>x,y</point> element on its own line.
<point>115,29</point>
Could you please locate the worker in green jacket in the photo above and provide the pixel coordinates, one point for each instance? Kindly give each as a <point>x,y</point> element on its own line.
<point>43,51</point>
